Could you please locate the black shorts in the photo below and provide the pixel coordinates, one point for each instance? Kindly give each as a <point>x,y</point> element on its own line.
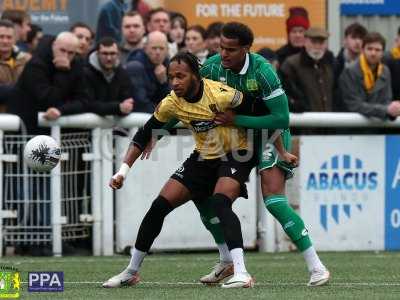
<point>200,176</point>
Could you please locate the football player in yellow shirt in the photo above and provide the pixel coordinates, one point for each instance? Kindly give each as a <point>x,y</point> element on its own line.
<point>216,171</point>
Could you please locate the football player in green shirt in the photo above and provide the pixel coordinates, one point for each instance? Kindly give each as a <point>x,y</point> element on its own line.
<point>251,74</point>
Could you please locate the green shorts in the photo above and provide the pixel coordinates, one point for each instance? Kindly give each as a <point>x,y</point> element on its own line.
<point>269,157</point>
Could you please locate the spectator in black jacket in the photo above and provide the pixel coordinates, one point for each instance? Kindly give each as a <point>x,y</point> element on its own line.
<point>147,70</point>
<point>51,82</point>
<point>108,84</point>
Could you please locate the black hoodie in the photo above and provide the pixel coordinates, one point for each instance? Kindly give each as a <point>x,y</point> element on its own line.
<point>106,95</point>
<point>42,86</point>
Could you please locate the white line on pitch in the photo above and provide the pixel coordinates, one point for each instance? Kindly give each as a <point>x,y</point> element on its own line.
<point>117,259</point>
<point>344,284</point>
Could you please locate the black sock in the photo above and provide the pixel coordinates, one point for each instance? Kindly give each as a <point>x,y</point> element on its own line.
<point>152,223</point>
<point>229,221</point>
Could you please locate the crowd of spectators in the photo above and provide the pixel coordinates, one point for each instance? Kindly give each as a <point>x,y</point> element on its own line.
<point>121,67</point>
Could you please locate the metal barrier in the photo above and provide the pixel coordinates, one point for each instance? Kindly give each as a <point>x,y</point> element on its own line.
<point>78,200</point>
<point>8,212</point>
<point>87,205</point>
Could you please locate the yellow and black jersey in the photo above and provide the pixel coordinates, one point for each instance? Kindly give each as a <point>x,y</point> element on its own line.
<point>212,141</point>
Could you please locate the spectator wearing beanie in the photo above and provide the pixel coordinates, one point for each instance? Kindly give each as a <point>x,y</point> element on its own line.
<point>296,25</point>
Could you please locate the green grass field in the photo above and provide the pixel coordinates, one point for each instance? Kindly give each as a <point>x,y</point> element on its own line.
<point>360,275</point>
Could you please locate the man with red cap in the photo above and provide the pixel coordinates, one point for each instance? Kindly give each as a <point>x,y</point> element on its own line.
<point>296,25</point>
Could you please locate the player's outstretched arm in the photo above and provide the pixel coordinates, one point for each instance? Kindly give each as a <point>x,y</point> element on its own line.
<point>277,119</point>
<point>142,137</point>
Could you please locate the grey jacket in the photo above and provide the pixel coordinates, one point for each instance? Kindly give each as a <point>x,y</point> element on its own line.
<point>357,99</point>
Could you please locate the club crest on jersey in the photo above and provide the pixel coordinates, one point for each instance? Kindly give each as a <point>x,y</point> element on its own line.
<point>251,85</point>
<point>202,126</point>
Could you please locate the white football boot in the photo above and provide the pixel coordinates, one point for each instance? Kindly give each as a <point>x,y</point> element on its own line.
<point>122,279</point>
<point>319,277</point>
<point>239,280</point>
<point>220,271</point>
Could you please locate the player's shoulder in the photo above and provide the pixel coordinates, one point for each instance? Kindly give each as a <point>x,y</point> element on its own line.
<point>222,93</point>
<point>259,62</point>
<point>169,99</point>
<point>217,86</point>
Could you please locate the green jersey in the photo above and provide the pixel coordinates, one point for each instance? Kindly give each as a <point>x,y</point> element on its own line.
<point>257,78</point>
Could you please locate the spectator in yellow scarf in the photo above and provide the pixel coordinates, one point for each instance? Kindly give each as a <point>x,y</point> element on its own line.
<point>366,85</point>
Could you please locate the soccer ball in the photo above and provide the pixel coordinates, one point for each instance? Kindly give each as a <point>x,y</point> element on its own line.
<point>42,153</point>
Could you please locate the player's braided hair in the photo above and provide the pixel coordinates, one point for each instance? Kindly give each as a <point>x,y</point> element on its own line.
<point>190,59</point>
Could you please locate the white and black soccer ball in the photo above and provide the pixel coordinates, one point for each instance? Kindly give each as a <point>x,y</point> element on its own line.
<point>42,153</point>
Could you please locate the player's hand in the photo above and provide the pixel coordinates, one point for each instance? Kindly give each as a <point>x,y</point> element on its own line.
<point>126,106</point>
<point>116,182</point>
<point>147,151</point>
<point>161,73</point>
<point>62,63</point>
<point>225,118</point>
<point>290,159</point>
<point>52,114</point>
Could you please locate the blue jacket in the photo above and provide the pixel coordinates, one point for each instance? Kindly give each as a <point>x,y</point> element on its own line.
<point>110,20</point>
<point>148,91</point>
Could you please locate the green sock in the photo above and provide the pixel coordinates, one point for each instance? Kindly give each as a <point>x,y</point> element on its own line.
<point>210,220</point>
<point>291,223</point>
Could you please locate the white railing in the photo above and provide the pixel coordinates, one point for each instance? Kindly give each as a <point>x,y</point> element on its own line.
<point>7,123</point>
<point>300,120</point>
<point>341,120</point>
<point>102,170</point>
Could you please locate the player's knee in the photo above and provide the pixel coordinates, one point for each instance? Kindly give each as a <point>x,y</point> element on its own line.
<point>272,182</point>
<point>161,207</point>
<point>221,202</point>
<point>270,188</point>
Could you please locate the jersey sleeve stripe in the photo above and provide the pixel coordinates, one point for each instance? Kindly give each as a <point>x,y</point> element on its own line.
<point>275,94</point>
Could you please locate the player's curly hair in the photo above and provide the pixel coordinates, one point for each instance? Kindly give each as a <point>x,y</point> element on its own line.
<point>239,31</point>
<point>190,59</point>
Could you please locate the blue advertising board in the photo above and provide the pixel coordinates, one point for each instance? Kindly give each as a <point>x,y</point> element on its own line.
<point>350,191</point>
<point>392,199</point>
<point>370,7</point>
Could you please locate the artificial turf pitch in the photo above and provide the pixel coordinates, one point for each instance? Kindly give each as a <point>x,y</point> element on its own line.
<point>355,275</point>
